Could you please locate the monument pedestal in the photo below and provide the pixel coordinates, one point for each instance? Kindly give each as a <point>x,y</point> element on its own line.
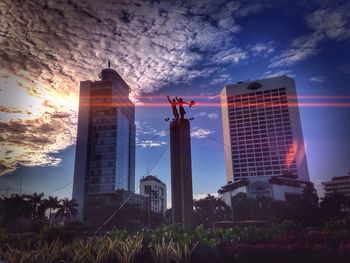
<point>181,172</point>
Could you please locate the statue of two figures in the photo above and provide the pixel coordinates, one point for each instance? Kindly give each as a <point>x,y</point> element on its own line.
<point>179,102</point>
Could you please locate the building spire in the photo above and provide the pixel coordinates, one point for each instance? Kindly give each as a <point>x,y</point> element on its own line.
<point>109,64</point>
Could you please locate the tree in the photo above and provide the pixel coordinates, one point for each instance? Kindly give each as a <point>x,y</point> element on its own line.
<point>210,209</point>
<point>243,207</point>
<point>129,216</point>
<point>332,204</point>
<point>309,208</point>
<point>51,203</point>
<point>309,195</point>
<point>279,211</point>
<point>35,200</point>
<point>67,209</point>
<point>14,208</point>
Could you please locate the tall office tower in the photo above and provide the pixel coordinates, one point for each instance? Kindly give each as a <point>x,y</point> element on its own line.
<point>105,151</point>
<point>262,130</point>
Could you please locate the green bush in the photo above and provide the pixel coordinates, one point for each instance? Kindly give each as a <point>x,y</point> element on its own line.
<point>286,241</point>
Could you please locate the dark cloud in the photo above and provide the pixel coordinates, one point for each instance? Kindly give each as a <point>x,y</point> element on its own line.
<point>30,142</point>
<point>47,47</point>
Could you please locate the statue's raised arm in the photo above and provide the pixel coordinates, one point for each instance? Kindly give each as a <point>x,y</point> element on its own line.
<point>179,102</point>
<point>173,104</point>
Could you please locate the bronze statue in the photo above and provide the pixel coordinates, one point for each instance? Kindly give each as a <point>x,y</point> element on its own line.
<point>180,102</point>
<point>173,106</point>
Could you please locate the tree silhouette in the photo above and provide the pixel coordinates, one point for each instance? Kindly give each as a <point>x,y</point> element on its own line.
<point>309,207</point>
<point>332,206</point>
<point>35,200</point>
<point>210,209</point>
<point>309,195</point>
<point>51,203</point>
<point>67,209</point>
<point>13,208</point>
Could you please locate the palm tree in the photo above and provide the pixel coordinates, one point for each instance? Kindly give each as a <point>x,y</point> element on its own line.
<point>309,195</point>
<point>67,209</point>
<point>51,203</point>
<point>36,200</point>
<point>14,208</point>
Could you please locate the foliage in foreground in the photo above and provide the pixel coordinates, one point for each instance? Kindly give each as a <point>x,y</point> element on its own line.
<point>290,241</point>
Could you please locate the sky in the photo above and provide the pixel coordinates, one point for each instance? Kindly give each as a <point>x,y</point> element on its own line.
<point>184,48</point>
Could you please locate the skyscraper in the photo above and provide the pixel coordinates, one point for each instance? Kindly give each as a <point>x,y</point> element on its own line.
<point>263,138</point>
<point>105,150</point>
<point>262,129</point>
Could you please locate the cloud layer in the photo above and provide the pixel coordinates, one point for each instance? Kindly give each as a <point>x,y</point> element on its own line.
<point>201,133</point>
<point>147,136</point>
<point>330,22</point>
<point>47,47</point>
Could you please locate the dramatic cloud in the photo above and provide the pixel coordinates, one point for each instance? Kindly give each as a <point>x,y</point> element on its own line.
<point>222,79</point>
<point>201,114</point>
<point>51,45</point>
<point>150,143</point>
<point>317,79</point>
<point>147,136</point>
<point>29,142</point>
<point>202,196</point>
<point>144,128</point>
<point>232,56</point>
<point>326,23</point>
<point>200,133</point>
<point>302,48</point>
<point>271,74</point>
<point>262,48</point>
<point>213,115</point>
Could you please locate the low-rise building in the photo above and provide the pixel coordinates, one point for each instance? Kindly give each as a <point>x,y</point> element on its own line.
<point>338,184</point>
<point>155,192</point>
<point>276,187</point>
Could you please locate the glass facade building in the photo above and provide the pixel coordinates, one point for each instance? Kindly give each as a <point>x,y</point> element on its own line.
<point>105,152</point>
<point>262,130</point>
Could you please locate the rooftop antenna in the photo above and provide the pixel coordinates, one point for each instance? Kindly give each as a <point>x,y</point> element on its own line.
<point>109,64</point>
<point>148,170</point>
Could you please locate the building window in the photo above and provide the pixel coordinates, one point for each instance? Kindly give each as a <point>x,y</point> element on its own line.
<point>147,189</point>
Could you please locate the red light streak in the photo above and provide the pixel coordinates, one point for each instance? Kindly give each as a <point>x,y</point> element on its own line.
<point>209,101</point>
<point>218,105</point>
<point>218,97</point>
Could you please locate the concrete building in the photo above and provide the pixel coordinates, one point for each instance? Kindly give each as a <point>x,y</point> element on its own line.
<point>151,184</point>
<point>263,136</point>
<point>105,151</point>
<point>338,184</point>
<point>278,188</point>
